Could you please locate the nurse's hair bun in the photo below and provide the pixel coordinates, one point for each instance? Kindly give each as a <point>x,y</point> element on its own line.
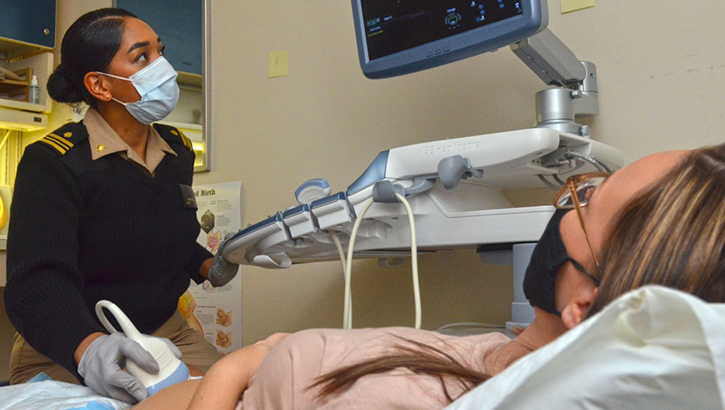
<point>61,89</point>
<point>88,45</point>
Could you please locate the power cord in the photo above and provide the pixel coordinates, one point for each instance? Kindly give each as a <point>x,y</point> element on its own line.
<point>341,253</point>
<point>347,309</point>
<point>414,260</point>
<point>600,166</point>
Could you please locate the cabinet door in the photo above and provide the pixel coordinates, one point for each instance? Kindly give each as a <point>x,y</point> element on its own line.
<point>28,21</point>
<point>178,23</point>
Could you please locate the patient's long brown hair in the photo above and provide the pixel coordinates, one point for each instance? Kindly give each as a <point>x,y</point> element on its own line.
<point>672,234</point>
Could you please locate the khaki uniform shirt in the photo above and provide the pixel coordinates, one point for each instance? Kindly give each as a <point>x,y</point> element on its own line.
<point>105,141</point>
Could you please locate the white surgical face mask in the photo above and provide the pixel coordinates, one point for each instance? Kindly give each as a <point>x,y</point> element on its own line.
<point>156,84</point>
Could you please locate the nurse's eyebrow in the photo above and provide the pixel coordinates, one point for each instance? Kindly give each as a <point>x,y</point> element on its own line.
<point>141,44</point>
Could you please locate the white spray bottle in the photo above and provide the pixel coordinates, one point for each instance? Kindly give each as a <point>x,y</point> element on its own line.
<point>171,369</point>
<point>34,91</point>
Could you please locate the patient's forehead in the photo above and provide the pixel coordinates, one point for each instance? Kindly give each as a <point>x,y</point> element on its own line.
<point>623,185</point>
<point>641,174</point>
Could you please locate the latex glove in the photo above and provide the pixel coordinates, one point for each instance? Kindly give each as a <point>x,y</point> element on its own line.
<point>222,271</point>
<point>102,364</point>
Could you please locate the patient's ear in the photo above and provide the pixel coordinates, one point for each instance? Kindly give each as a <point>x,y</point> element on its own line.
<point>575,310</point>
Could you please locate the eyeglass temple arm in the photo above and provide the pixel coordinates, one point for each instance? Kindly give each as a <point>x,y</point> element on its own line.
<point>582,222</point>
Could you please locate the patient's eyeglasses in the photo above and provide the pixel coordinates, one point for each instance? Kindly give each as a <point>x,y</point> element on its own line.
<point>575,194</point>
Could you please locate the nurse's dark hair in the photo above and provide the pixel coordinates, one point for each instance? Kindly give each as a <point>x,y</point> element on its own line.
<point>672,234</point>
<point>89,45</point>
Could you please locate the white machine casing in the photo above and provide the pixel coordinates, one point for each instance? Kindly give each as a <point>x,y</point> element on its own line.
<point>474,213</point>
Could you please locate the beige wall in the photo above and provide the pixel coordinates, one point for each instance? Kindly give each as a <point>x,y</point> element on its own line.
<point>661,80</point>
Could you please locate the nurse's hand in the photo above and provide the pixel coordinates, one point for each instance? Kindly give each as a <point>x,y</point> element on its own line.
<point>101,367</point>
<point>222,271</point>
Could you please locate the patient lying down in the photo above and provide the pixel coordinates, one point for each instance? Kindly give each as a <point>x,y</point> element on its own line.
<point>660,220</point>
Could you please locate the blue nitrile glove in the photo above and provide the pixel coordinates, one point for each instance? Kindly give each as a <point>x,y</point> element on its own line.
<point>222,271</point>
<point>102,366</point>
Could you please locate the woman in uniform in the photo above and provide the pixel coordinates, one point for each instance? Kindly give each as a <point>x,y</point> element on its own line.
<point>104,209</point>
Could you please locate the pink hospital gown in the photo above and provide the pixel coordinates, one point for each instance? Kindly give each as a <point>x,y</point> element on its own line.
<point>288,370</point>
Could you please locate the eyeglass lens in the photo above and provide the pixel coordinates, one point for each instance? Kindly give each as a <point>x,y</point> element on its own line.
<point>584,191</point>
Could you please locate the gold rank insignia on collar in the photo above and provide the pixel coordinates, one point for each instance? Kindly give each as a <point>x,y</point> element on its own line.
<point>100,147</point>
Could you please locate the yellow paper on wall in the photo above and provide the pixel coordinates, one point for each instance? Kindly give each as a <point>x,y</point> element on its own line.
<point>278,64</point>
<point>568,6</point>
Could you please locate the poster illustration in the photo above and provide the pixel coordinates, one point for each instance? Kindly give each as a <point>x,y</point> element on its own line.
<point>216,312</point>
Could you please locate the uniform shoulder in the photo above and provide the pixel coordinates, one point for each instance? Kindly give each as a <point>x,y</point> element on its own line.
<point>173,135</point>
<point>64,138</point>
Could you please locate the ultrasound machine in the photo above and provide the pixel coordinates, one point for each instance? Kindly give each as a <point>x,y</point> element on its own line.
<point>445,194</point>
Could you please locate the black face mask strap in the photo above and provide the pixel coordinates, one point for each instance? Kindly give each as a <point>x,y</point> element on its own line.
<point>581,269</point>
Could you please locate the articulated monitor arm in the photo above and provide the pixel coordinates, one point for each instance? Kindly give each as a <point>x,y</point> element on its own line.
<point>551,60</point>
<point>576,96</point>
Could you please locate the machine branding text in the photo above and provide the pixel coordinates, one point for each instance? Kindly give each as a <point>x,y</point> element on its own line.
<point>451,147</point>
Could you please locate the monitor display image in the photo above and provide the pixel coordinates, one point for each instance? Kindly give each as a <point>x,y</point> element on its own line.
<point>397,37</point>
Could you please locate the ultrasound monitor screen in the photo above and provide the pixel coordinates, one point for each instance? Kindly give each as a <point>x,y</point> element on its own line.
<point>394,26</point>
<point>398,37</point>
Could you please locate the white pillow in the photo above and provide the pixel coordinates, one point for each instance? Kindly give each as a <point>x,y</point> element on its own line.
<point>653,348</point>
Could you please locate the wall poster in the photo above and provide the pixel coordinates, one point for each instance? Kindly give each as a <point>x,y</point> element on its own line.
<point>216,312</point>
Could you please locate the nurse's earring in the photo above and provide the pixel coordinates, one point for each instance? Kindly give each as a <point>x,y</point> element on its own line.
<point>95,86</point>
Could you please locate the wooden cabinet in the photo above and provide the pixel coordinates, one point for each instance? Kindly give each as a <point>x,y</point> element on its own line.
<point>26,26</point>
